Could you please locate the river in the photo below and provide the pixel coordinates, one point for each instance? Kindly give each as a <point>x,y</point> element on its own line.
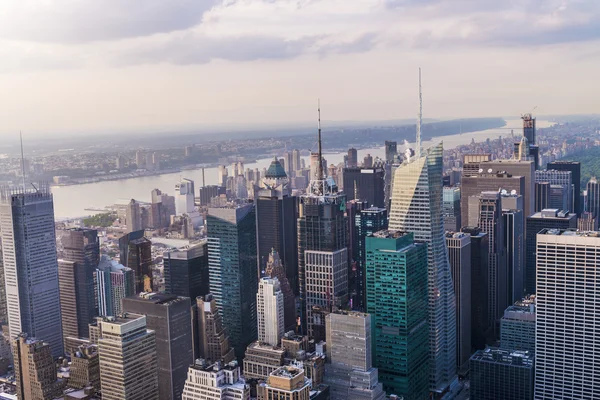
<point>72,201</point>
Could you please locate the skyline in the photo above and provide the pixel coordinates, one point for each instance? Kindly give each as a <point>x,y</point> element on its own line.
<point>188,65</point>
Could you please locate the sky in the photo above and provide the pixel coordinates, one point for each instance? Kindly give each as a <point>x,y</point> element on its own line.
<point>88,66</point>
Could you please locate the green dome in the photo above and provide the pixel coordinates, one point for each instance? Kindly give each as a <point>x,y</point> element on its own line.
<point>275,170</point>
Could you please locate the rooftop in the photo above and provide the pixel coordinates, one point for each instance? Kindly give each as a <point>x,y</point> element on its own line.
<point>287,372</point>
<point>569,232</point>
<point>518,358</point>
<point>390,234</point>
<point>159,298</point>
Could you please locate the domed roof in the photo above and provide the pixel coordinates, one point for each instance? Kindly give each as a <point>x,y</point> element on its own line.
<point>275,170</point>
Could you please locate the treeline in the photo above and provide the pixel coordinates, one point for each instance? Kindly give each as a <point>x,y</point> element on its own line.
<point>103,220</point>
<point>590,163</point>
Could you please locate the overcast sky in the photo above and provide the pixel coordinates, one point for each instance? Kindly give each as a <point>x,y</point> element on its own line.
<point>93,65</point>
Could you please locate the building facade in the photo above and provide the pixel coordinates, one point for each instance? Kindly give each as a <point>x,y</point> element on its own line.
<point>215,382</point>
<point>186,271</point>
<point>366,184</point>
<point>211,338</point>
<point>270,311</point>
<point>113,283</point>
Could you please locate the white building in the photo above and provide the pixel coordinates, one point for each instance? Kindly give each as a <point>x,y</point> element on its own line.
<point>185,201</point>
<point>214,382</point>
<point>269,307</point>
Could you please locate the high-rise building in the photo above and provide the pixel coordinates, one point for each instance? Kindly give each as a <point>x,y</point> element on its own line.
<point>368,161</point>
<point>399,315</point>
<point>222,178</point>
<point>161,209</point>
<point>514,243</point>
<point>186,271</point>
<point>391,150</point>
<point>517,326</point>
<point>286,382</point>
<point>79,258</point>
<point>352,158</point>
<point>133,216</point>
<point>276,270</point>
<point>349,371</point>
<point>136,253</point>
<point>169,317</point>
<point>417,208</point>
<point>459,254</point>
<point>233,271</point>
<point>502,374</point>
<point>451,209</point>
<point>480,326</point>
<point>587,222</point>
<point>211,337</point>
<point>139,159</point>
<point>30,264</point>
<point>261,359</point>
<point>592,203</point>
<point>113,283</point>
<point>270,311</point>
<point>276,215</point>
<point>3,308</point>
<point>128,362</point>
<point>35,370</point>
<point>550,219</point>
<point>487,210</point>
<point>567,352</point>
<point>296,164</point>
<point>85,368</point>
<point>575,168</point>
<point>542,196</point>
<point>366,184</point>
<point>184,197</point>
<point>215,382</point>
<point>562,183</point>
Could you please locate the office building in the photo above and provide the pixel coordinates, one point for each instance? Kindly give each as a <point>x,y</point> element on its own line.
<point>133,216</point>
<point>587,222</point>
<point>215,382</point>
<point>30,264</point>
<point>184,197</point>
<point>135,252</point>
<point>592,204</point>
<point>3,309</point>
<point>260,359</point>
<point>233,271</point>
<point>517,326</point>
<point>276,270</point>
<point>514,243</point>
<point>363,222</point>
<point>186,271</point>
<point>270,311</point>
<point>575,168</point>
<point>366,184</point>
<point>391,151</point>
<point>399,316</point>
<point>486,209</point>
<point>222,176</point>
<point>480,326</point>
<point>501,374</point>
<point>85,368</point>
<point>208,192</point>
<point>79,258</point>
<point>211,340</point>
<point>417,208</point>
<point>349,372</point>
<point>169,317</point>
<point>35,370</point>
<point>542,196</point>
<point>459,254</point>
<point>162,208</point>
<point>368,161</point>
<point>561,188</point>
<point>567,352</point>
<point>352,158</point>
<point>128,360</point>
<point>296,161</point>
<point>451,209</point>
<point>285,383</point>
<point>550,219</point>
<point>113,283</point>
<point>139,159</point>
<point>276,215</point>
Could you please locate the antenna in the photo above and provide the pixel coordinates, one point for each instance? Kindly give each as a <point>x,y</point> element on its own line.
<point>22,161</point>
<point>419,119</point>
<point>320,171</point>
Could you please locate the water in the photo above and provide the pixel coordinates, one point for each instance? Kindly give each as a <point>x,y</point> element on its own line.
<point>72,201</point>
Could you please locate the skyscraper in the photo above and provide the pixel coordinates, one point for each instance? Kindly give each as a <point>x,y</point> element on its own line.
<point>592,204</point>
<point>514,242</point>
<point>79,258</point>
<point>128,362</point>
<point>215,382</point>
<point>136,253</point>
<point>113,282</point>
<point>35,370</point>
<point>276,270</point>
<point>30,264</point>
<point>366,184</point>
<point>169,317</point>
<point>286,382</point>
<point>270,316</point>
<point>296,165</point>
<point>459,254</point>
<point>213,340</point>
<point>575,168</point>
<point>352,158</point>
<point>417,208</point>
<point>184,197</point>
<point>561,188</point>
<point>3,309</point>
<point>85,368</point>
<point>517,326</point>
<point>233,271</point>
<point>451,209</point>
<point>186,271</point>
<point>391,150</point>
<point>542,196</point>
<point>133,216</point>
<point>397,300</point>
<point>276,215</point>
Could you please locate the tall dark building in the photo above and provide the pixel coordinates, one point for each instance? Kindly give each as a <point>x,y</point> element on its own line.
<point>551,219</point>
<point>208,192</point>
<point>451,209</point>
<point>352,158</point>
<point>391,150</point>
<point>186,271</point>
<point>575,168</point>
<point>233,270</point>
<point>592,202</point>
<point>276,215</point>
<point>480,328</point>
<point>542,196</point>
<point>136,253</point>
<point>79,258</point>
<point>366,184</point>
<point>529,128</point>
<point>514,243</point>
<point>169,317</point>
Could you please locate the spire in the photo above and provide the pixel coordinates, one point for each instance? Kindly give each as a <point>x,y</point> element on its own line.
<point>419,120</point>
<point>320,176</point>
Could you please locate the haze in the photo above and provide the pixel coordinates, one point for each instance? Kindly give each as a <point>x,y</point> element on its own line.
<point>84,66</point>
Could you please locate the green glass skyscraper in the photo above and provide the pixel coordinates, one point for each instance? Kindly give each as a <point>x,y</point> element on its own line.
<point>397,298</point>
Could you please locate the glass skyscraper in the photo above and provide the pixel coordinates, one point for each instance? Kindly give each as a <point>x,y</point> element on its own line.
<point>397,300</point>
<point>30,264</point>
<point>417,208</point>
<point>233,270</point>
